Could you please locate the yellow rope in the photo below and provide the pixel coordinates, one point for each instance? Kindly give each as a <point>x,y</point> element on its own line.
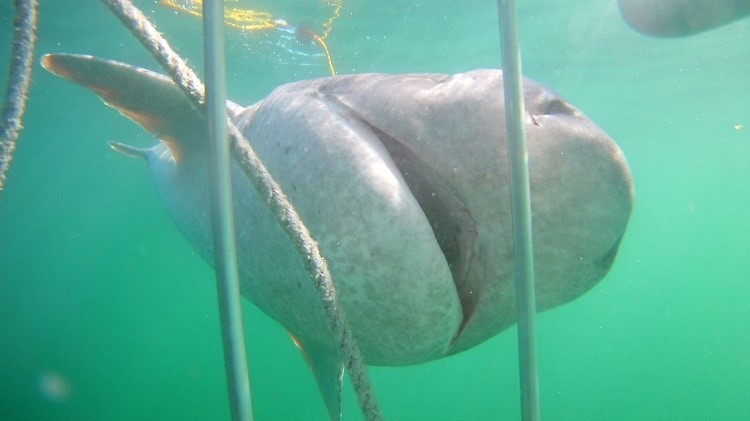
<point>319,41</point>
<point>327,28</point>
<point>253,20</point>
<point>328,25</point>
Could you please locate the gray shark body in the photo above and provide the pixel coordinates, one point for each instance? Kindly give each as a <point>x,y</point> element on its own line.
<point>680,18</point>
<point>403,181</point>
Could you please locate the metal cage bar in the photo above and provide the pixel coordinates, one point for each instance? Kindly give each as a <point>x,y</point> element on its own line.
<point>222,214</point>
<point>521,208</point>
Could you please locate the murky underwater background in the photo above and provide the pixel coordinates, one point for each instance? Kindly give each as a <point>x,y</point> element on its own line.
<point>107,313</point>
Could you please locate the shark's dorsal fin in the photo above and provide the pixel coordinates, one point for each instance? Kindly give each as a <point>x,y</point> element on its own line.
<point>150,99</point>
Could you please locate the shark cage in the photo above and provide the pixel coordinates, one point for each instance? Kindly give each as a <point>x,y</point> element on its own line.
<point>210,142</point>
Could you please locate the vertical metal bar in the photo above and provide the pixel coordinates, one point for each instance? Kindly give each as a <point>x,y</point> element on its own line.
<point>521,208</point>
<point>225,253</point>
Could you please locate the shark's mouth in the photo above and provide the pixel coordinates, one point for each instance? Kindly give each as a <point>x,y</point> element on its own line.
<point>451,221</point>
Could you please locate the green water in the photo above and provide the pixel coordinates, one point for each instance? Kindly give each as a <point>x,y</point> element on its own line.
<point>102,299</point>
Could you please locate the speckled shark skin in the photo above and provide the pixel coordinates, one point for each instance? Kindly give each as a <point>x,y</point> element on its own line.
<point>403,181</point>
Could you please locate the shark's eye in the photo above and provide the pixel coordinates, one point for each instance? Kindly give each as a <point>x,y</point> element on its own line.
<point>558,106</point>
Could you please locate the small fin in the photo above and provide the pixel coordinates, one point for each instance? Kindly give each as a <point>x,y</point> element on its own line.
<point>129,150</point>
<point>148,98</point>
<point>329,373</point>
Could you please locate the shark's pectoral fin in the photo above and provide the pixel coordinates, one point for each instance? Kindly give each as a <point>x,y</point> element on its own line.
<point>329,374</point>
<point>150,99</point>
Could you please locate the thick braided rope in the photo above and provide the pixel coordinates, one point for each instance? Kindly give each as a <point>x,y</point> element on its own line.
<point>19,79</point>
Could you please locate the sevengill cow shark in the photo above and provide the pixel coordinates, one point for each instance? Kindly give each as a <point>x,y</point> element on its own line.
<point>403,180</point>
